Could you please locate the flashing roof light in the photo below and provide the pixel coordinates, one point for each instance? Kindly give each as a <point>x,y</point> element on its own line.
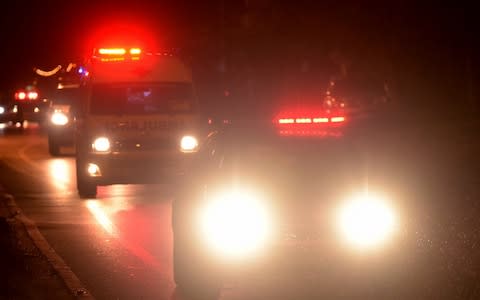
<point>135,51</point>
<point>119,54</point>
<point>112,51</point>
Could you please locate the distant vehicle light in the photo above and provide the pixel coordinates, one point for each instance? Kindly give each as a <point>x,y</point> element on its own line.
<point>59,118</point>
<point>32,95</point>
<point>70,67</point>
<point>338,119</point>
<point>101,144</point>
<point>112,51</point>
<point>20,95</point>
<point>48,73</point>
<point>188,143</point>
<point>2,110</point>
<point>36,110</point>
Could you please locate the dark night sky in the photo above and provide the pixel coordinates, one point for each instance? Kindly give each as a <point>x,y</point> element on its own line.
<point>419,40</point>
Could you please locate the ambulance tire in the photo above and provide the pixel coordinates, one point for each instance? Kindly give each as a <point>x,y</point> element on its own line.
<point>53,147</point>
<point>86,188</point>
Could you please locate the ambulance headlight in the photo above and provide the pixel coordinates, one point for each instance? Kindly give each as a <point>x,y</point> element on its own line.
<point>188,143</point>
<point>235,224</point>
<point>59,118</point>
<point>366,221</point>
<point>101,144</point>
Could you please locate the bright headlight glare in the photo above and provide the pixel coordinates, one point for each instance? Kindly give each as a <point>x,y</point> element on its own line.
<point>188,143</point>
<point>366,221</point>
<point>59,118</point>
<point>235,225</point>
<point>101,144</point>
<point>2,110</point>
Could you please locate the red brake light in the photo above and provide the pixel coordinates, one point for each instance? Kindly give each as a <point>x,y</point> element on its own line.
<point>20,95</point>
<point>310,123</point>
<point>337,119</point>
<point>286,121</point>
<point>303,120</point>
<point>320,120</point>
<point>32,95</point>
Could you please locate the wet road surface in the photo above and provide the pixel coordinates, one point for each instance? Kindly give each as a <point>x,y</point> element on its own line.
<point>120,243</point>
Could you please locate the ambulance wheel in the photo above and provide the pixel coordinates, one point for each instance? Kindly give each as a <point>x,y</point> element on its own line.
<point>53,147</point>
<point>86,188</point>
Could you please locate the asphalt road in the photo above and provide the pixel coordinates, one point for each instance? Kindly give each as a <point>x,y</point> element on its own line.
<point>120,244</point>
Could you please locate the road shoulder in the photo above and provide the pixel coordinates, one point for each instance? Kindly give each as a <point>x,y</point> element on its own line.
<point>32,268</point>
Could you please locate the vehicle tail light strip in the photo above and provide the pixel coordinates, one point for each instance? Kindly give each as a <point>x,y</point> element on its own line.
<point>303,120</point>
<point>22,95</point>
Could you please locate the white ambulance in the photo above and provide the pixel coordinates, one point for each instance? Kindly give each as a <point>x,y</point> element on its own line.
<point>138,122</point>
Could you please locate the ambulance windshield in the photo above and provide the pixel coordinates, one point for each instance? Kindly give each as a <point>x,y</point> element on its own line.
<point>140,99</point>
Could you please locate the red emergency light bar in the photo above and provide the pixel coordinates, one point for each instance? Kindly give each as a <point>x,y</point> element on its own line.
<point>118,54</point>
<point>112,51</point>
<point>135,51</point>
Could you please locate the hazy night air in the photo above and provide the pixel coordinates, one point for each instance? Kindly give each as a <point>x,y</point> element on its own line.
<point>239,149</point>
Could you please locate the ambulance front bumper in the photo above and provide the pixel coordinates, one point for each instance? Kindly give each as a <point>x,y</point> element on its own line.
<point>139,168</point>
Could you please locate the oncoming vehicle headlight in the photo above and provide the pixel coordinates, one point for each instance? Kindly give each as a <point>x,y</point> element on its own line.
<point>2,110</point>
<point>235,224</point>
<point>188,143</point>
<point>367,221</point>
<point>59,118</point>
<point>101,144</point>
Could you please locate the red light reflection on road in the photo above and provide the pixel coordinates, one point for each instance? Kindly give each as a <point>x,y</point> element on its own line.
<point>113,216</point>
<point>101,217</point>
